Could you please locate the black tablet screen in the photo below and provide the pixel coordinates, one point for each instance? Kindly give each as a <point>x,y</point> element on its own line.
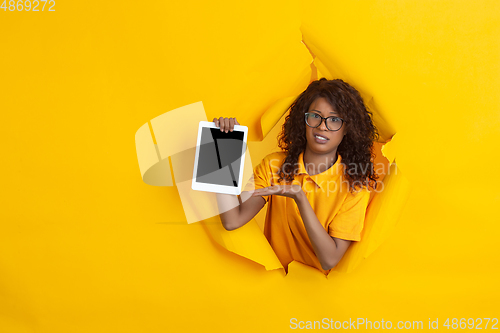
<point>219,157</point>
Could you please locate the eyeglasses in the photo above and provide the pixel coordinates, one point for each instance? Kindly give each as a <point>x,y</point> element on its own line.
<point>332,123</point>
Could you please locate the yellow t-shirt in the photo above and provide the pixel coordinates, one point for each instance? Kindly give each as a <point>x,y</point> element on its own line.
<point>341,213</point>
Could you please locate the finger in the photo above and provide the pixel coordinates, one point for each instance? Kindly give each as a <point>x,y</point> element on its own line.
<point>260,194</point>
<point>236,121</point>
<point>216,122</point>
<point>221,123</point>
<point>231,124</point>
<point>226,125</point>
<point>261,190</point>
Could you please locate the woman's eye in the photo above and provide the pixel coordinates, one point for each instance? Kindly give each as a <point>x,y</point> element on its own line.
<point>333,120</point>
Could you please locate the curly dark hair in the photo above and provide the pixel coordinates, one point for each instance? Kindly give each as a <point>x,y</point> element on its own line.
<point>356,148</point>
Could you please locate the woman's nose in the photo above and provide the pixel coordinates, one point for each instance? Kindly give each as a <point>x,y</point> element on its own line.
<point>322,125</point>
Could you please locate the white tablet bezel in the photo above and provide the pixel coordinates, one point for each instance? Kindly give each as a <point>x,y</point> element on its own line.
<point>213,187</point>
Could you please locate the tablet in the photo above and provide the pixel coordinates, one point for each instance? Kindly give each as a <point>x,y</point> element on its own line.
<point>219,160</point>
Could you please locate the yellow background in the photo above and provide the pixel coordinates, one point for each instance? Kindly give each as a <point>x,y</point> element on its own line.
<point>86,246</point>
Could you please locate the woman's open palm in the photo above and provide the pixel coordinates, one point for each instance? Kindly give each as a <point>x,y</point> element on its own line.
<point>291,191</point>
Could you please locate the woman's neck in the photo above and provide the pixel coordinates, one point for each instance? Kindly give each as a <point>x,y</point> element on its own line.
<point>318,163</point>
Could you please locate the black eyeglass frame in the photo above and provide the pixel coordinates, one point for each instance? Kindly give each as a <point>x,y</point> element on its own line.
<point>322,118</point>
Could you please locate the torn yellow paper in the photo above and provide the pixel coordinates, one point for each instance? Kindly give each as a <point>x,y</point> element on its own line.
<point>273,115</point>
<point>390,148</point>
<point>322,70</point>
<point>382,214</point>
<point>247,241</point>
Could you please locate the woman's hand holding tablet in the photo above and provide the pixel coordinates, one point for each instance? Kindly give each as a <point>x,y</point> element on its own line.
<point>220,157</point>
<point>226,124</point>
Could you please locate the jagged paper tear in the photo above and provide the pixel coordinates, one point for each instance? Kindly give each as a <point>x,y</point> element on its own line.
<point>158,140</point>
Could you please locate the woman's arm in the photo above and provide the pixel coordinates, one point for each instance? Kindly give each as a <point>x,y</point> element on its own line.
<point>234,215</point>
<point>328,249</point>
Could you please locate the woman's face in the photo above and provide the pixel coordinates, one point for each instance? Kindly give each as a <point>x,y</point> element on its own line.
<point>321,107</point>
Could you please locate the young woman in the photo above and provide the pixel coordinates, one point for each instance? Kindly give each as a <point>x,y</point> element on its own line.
<point>317,187</point>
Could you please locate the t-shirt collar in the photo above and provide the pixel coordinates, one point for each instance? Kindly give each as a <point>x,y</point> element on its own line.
<point>331,173</point>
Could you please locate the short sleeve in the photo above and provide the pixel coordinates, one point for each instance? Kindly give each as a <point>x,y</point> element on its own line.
<point>260,177</point>
<point>349,221</point>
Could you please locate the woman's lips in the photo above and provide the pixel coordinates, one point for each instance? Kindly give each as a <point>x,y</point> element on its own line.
<point>320,138</point>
